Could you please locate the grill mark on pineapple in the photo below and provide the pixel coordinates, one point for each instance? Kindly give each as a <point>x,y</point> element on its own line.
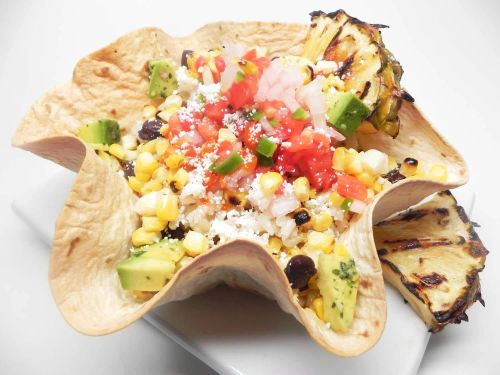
<point>415,243</point>
<point>344,69</point>
<point>368,84</point>
<point>431,280</point>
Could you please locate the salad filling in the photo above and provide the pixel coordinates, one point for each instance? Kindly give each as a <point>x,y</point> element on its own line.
<point>244,146</point>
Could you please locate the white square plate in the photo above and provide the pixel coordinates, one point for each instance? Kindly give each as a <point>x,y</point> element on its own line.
<point>236,332</point>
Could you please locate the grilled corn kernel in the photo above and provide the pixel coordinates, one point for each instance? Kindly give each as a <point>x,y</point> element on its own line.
<point>366,178</point>
<point>366,127</point>
<point>153,224</point>
<point>168,207</point>
<point>275,244</point>
<point>335,199</point>
<point>180,180</point>
<point>173,101</point>
<point>150,186</point>
<point>320,241</point>
<point>149,111</point>
<point>438,173</point>
<point>377,188</point>
<point>317,305</point>
<point>322,221</point>
<point>146,163</point>
<point>135,184</point>
<point>141,237</point>
<point>408,167</point>
<point>195,243</point>
<point>226,135</point>
<point>174,161</point>
<point>160,174</point>
<point>248,67</point>
<point>161,146</point>
<point>301,188</point>
<point>131,155</point>
<point>117,151</point>
<point>166,114</point>
<point>270,182</point>
<point>392,163</point>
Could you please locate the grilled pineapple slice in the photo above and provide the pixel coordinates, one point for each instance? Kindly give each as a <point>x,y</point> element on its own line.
<point>432,255</point>
<point>367,68</point>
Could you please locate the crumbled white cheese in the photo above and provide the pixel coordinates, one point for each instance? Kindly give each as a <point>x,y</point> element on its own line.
<point>209,92</point>
<point>256,196</point>
<point>187,84</point>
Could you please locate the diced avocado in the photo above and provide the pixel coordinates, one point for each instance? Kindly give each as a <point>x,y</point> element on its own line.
<point>144,274</point>
<point>346,112</point>
<point>165,249</point>
<point>162,78</point>
<point>338,281</point>
<point>102,132</point>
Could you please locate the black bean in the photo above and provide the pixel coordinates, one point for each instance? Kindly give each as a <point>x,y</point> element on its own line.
<point>301,216</point>
<point>151,129</point>
<point>128,169</point>
<point>299,270</point>
<point>177,234</point>
<point>394,176</point>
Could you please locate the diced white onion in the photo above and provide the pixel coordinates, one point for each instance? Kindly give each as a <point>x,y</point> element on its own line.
<point>268,128</point>
<point>357,206</point>
<point>283,205</point>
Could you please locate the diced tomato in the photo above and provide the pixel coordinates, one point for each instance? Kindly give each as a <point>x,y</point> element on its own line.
<point>250,161</point>
<point>271,108</point>
<point>199,62</point>
<point>285,163</point>
<point>261,169</point>
<point>209,129</point>
<point>224,150</point>
<point>216,111</point>
<point>220,64</point>
<point>251,135</point>
<point>304,141</point>
<point>261,62</point>
<point>250,55</point>
<point>350,187</point>
<point>174,124</point>
<point>212,181</point>
<point>242,93</point>
<point>185,144</point>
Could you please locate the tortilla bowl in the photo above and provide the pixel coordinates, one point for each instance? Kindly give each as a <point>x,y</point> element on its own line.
<point>94,228</point>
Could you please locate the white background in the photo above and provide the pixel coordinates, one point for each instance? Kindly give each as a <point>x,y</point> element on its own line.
<point>451,55</point>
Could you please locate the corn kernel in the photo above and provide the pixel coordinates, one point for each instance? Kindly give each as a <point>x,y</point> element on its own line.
<point>161,146</point>
<point>313,282</point>
<point>366,178</point>
<point>168,207</point>
<point>377,188</point>
<point>180,180</point>
<point>317,305</point>
<point>340,159</point>
<point>167,113</point>
<point>340,249</point>
<point>355,164</point>
<point>226,135</point>
<point>195,243</point>
<point>174,161</point>
<point>409,167</point>
<point>320,241</point>
<point>142,176</point>
<point>392,163</point>
<point>172,101</point>
<point>130,155</point>
<point>335,199</point>
<point>103,155</point>
<point>146,163</point>
<point>275,244</point>
<point>150,186</point>
<point>270,182</point>
<point>301,188</point>
<point>135,184</point>
<point>322,221</point>
<point>148,146</point>
<point>149,111</point>
<point>140,237</point>
<point>117,151</point>
<point>438,173</point>
<point>160,174</point>
<point>153,224</point>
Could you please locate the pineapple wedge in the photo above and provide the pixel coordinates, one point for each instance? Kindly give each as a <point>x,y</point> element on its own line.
<point>432,255</point>
<point>367,68</point>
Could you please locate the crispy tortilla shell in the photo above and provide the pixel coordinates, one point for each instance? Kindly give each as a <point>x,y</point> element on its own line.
<point>94,228</point>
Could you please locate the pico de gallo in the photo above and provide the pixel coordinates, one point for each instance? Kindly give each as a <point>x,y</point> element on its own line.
<point>244,146</point>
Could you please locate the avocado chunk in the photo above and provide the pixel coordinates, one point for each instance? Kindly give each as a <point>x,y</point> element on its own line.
<point>338,281</point>
<point>145,274</point>
<point>166,249</point>
<point>102,132</point>
<point>346,112</point>
<point>162,78</point>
